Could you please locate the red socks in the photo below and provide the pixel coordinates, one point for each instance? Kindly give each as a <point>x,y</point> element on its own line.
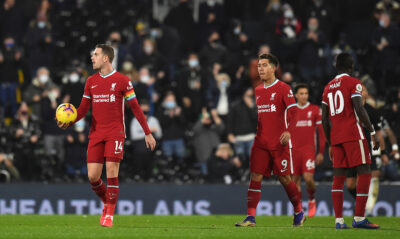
<point>337,195</point>
<point>294,196</point>
<point>100,189</point>
<point>311,193</point>
<point>253,197</point>
<point>112,195</point>
<point>362,194</point>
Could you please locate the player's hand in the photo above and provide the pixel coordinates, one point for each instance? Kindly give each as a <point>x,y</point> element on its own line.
<point>330,154</point>
<point>319,159</point>
<point>285,137</point>
<point>63,126</point>
<point>375,143</point>
<point>150,141</point>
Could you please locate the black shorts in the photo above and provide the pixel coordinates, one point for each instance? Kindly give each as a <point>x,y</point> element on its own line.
<point>352,173</point>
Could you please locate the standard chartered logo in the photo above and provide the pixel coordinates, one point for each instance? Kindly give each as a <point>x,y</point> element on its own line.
<point>112,98</point>
<point>266,108</point>
<point>273,108</point>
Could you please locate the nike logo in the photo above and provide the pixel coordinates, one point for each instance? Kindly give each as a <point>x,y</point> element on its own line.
<point>283,170</point>
<point>257,98</point>
<point>117,152</point>
<point>94,86</point>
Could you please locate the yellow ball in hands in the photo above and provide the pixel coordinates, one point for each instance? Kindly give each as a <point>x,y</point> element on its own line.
<point>66,113</point>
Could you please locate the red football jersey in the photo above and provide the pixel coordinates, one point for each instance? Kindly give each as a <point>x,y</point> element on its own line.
<point>107,94</point>
<point>308,119</point>
<point>337,96</point>
<point>273,101</point>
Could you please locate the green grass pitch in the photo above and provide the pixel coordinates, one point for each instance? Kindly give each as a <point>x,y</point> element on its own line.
<point>72,226</point>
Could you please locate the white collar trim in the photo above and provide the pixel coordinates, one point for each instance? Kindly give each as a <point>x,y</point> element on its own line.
<point>109,74</point>
<point>273,83</point>
<point>304,106</point>
<point>344,74</point>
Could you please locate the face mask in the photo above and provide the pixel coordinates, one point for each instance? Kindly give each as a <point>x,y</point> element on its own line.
<point>288,14</point>
<point>10,44</point>
<point>382,23</point>
<point>41,24</point>
<point>24,113</point>
<point>74,78</point>
<point>236,30</point>
<point>127,66</point>
<point>170,104</point>
<point>154,33</point>
<point>211,3</point>
<point>275,6</point>
<point>144,79</point>
<point>146,112</point>
<point>223,84</point>
<point>193,63</point>
<point>148,49</point>
<point>43,79</point>
<point>80,125</point>
<point>312,27</point>
<point>114,41</point>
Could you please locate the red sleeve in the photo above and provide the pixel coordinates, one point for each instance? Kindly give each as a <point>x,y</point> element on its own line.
<point>137,111</point>
<point>85,102</point>
<point>320,129</point>
<point>130,96</point>
<point>356,88</point>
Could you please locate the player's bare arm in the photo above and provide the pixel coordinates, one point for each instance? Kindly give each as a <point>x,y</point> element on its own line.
<point>326,124</point>
<point>285,137</point>
<point>364,118</point>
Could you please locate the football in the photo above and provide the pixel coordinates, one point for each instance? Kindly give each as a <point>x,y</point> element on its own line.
<point>66,113</point>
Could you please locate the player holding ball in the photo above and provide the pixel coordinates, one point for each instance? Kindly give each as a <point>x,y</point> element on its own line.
<point>105,92</point>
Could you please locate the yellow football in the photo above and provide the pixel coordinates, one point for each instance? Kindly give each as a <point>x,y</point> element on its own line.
<point>66,113</point>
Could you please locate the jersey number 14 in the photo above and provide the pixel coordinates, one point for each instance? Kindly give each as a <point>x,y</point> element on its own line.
<point>336,102</point>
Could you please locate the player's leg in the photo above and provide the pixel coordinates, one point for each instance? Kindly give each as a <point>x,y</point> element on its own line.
<point>95,160</point>
<point>310,185</point>
<point>351,182</point>
<point>297,180</point>
<point>359,153</point>
<point>340,166</point>
<point>113,154</point>
<point>282,166</point>
<point>259,160</point>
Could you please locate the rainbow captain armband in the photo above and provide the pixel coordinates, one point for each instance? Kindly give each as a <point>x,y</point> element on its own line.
<point>130,95</point>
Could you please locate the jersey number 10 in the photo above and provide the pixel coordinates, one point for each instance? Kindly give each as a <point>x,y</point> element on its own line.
<point>336,103</point>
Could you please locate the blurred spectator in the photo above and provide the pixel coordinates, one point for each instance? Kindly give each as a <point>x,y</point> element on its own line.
<point>146,88</point>
<point>219,95</point>
<point>288,27</point>
<point>386,42</point>
<point>130,71</point>
<point>214,52</point>
<point>10,63</point>
<point>75,149</point>
<point>39,43</point>
<point>53,137</point>
<point>153,60</point>
<point>239,46</point>
<point>312,56</point>
<point>120,51</point>
<point>390,6</point>
<point>12,20</point>
<point>211,17</point>
<point>207,132</point>
<point>169,45</point>
<point>273,12</point>
<point>321,10</point>
<point>173,126</point>
<point>181,18</point>
<point>73,88</point>
<point>242,124</point>
<point>223,165</point>
<point>287,77</point>
<point>142,163</point>
<point>38,90</point>
<point>191,88</point>
<point>342,46</point>
<point>25,136</point>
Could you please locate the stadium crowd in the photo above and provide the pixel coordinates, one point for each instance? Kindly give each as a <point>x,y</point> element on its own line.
<point>193,77</point>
